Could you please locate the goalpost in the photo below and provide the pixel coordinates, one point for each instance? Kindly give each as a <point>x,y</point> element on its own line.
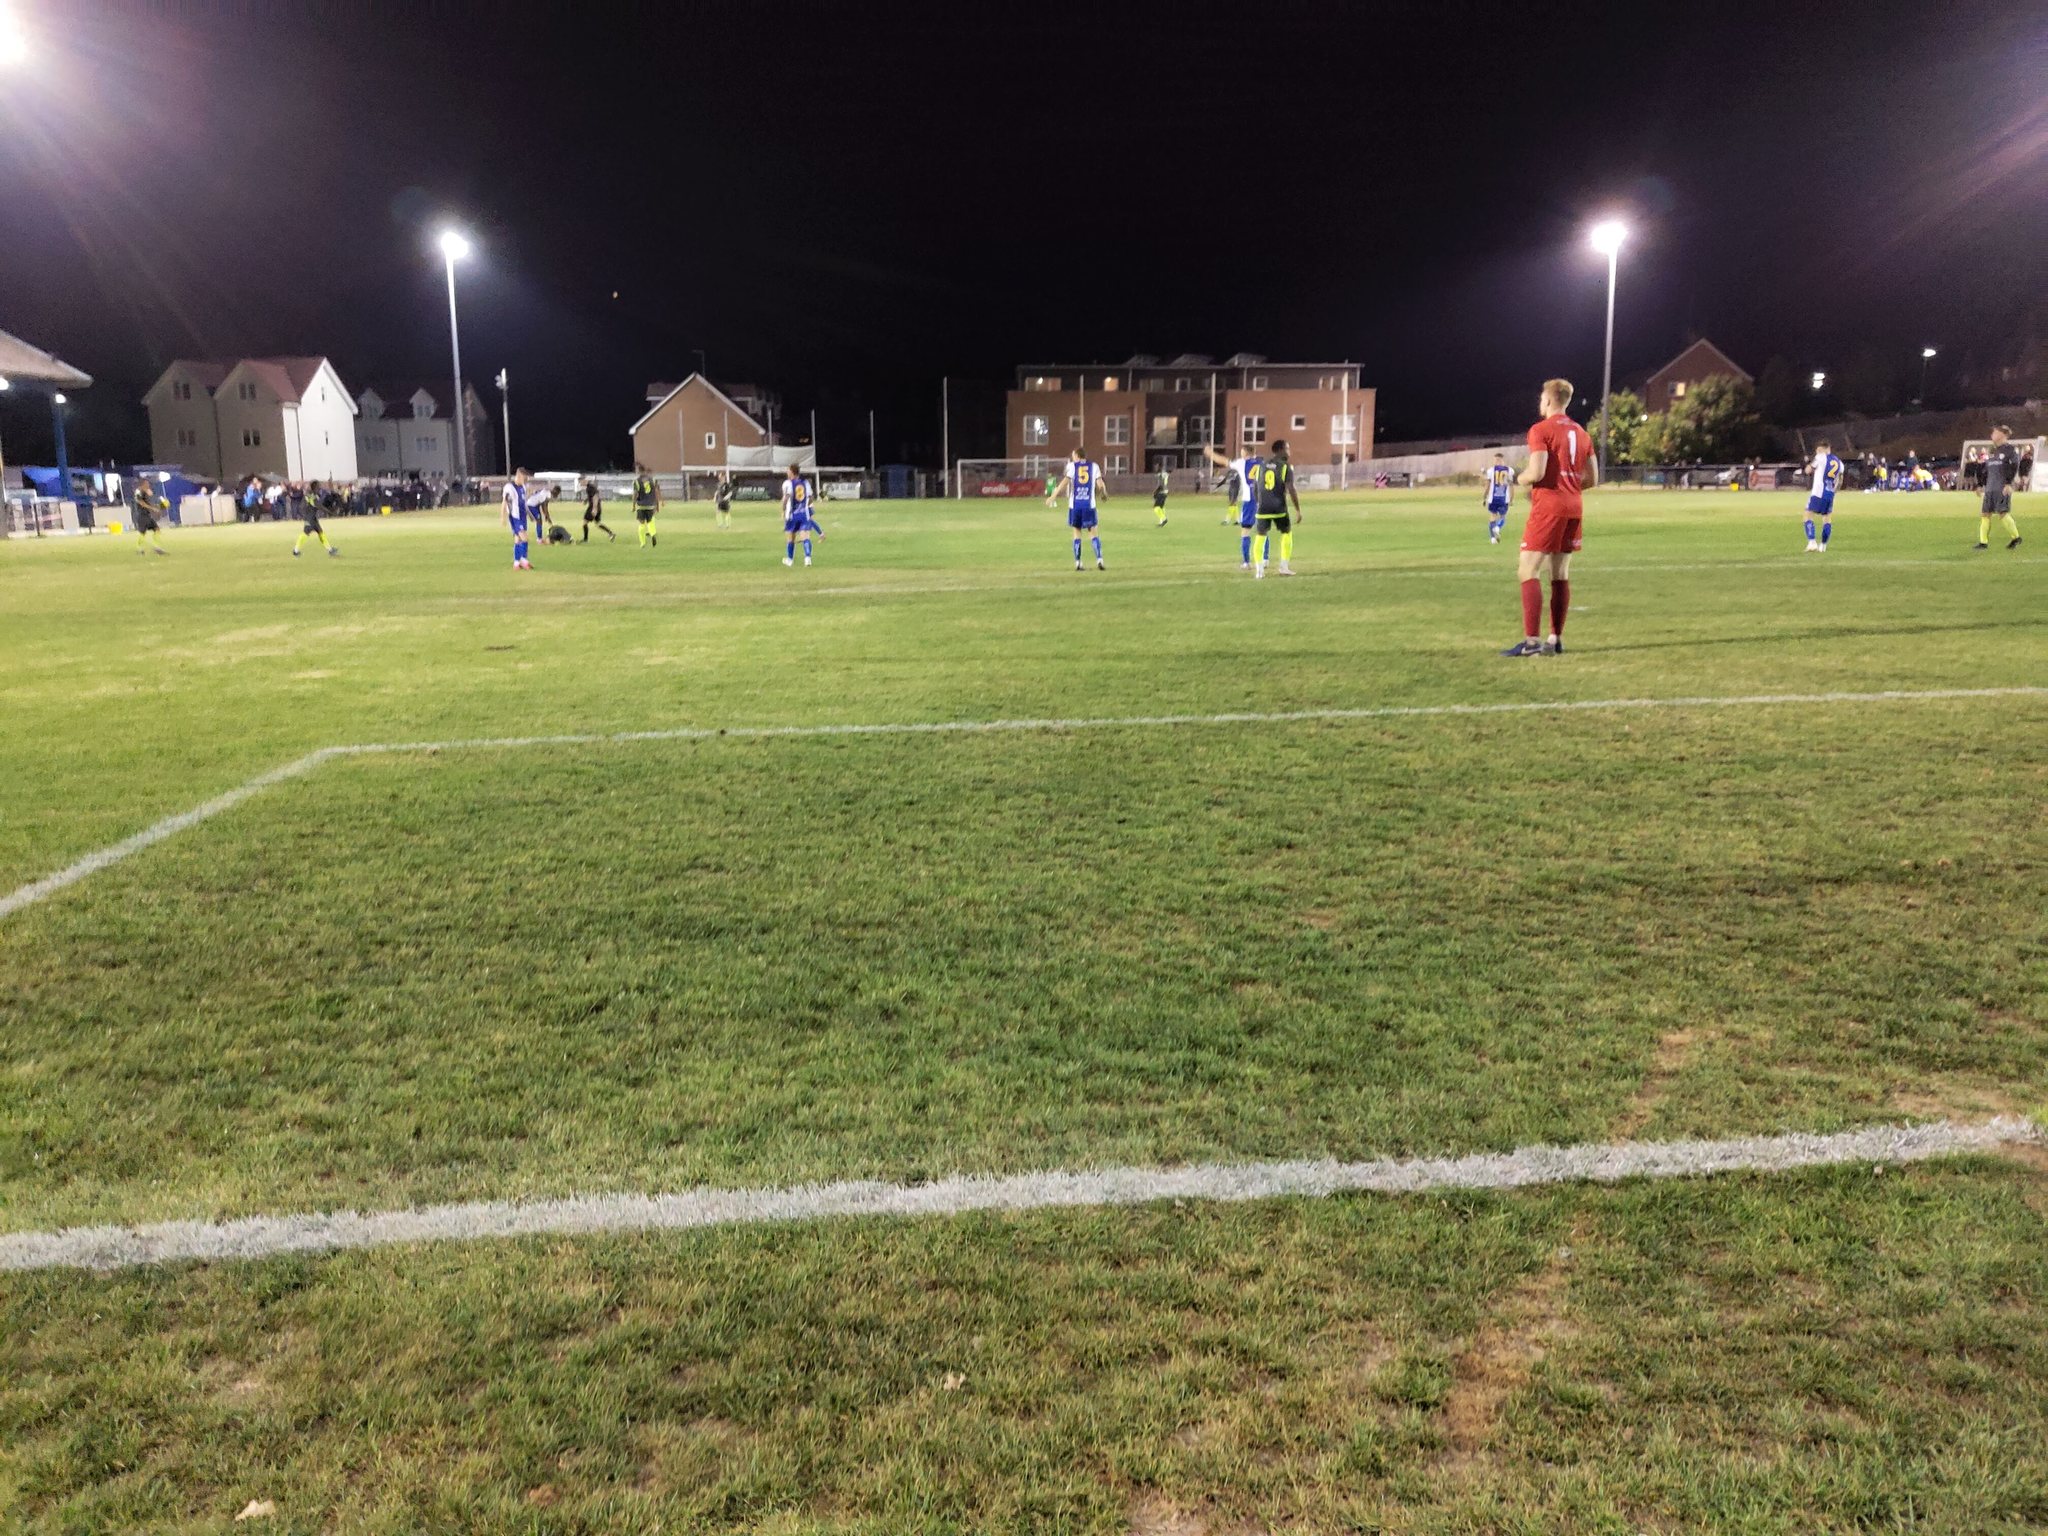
<point>1005,477</point>
<point>2026,447</point>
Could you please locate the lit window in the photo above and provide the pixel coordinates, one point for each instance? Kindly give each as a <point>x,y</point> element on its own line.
<point>1252,431</point>
<point>1116,429</point>
<point>1678,390</point>
<point>1042,382</point>
<point>1344,430</point>
<point>1110,382</point>
<point>1037,430</point>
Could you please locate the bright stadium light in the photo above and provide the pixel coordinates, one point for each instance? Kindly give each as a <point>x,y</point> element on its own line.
<point>1819,379</point>
<point>1927,352</point>
<point>455,246</point>
<point>13,39</point>
<point>1607,236</point>
<point>1926,356</point>
<point>4,384</point>
<point>60,398</point>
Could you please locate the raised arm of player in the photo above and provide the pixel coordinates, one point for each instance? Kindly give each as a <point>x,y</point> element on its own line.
<point>1216,457</point>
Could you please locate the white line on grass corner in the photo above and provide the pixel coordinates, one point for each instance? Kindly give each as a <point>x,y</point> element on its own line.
<point>40,890</point>
<point>259,1237</point>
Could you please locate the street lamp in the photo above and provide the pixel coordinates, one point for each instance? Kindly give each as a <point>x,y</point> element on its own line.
<point>1819,379</point>
<point>453,248</point>
<point>1926,354</point>
<point>1607,236</point>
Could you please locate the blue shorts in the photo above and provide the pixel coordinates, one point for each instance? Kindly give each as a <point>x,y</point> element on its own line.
<point>518,527</point>
<point>1248,517</point>
<point>1496,509</point>
<point>1824,505</point>
<point>797,522</point>
<point>1080,517</point>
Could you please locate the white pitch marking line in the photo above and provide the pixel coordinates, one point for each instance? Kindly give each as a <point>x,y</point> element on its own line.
<point>148,837</point>
<point>257,1237</point>
<point>92,863</point>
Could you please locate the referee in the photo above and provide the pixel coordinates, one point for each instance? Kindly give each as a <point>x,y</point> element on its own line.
<point>2001,469</point>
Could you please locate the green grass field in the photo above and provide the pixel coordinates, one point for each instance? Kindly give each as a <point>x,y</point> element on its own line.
<point>528,971</point>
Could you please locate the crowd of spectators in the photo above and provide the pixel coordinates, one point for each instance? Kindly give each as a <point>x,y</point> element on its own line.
<point>257,499</point>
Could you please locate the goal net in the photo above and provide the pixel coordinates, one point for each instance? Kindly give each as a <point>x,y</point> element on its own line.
<point>1005,477</point>
<point>1970,473</point>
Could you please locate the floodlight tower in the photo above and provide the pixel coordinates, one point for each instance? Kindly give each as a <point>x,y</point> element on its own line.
<point>1607,236</point>
<point>454,246</point>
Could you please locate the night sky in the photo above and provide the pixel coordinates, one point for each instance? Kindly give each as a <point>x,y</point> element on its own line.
<point>844,202</point>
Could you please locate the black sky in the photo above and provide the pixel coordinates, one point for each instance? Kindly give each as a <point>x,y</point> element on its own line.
<point>845,202</point>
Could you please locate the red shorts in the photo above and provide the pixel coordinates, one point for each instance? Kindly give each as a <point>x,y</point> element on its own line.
<point>1545,533</point>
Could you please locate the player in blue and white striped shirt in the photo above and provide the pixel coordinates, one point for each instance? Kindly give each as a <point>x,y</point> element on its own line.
<point>516,516</point>
<point>1500,490</point>
<point>1083,484</point>
<point>1827,479</point>
<point>1244,473</point>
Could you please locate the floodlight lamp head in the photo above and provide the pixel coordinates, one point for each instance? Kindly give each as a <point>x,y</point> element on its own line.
<point>1607,236</point>
<point>14,48</point>
<point>61,398</point>
<point>454,244</point>
<point>1927,351</point>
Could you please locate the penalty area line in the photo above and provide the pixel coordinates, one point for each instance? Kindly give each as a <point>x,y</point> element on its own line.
<point>41,890</point>
<point>259,1237</point>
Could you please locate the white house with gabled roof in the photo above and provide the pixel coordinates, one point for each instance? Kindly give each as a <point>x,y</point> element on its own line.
<point>285,418</point>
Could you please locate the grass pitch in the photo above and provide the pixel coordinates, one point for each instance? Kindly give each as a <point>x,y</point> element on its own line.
<point>531,971</point>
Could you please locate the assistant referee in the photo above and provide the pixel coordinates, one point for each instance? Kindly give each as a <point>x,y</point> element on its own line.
<point>2001,469</point>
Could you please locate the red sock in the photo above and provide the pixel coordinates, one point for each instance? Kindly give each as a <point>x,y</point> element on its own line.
<point>1532,607</point>
<point>1560,600</point>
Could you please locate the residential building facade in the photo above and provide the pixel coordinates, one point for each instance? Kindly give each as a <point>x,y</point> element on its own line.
<point>691,425</point>
<point>1144,414</point>
<point>285,418</point>
<point>407,427</point>
<point>1700,361</point>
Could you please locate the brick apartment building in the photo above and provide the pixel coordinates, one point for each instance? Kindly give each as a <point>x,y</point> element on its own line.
<point>1700,361</point>
<point>1143,414</point>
